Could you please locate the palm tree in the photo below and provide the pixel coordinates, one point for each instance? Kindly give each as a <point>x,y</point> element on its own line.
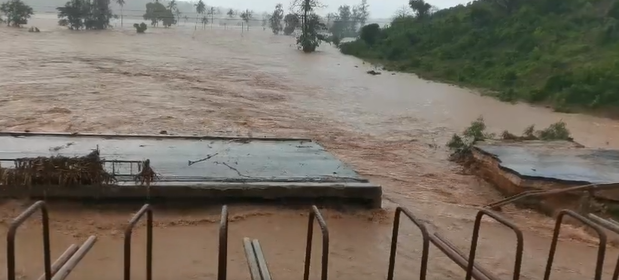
<point>122,4</point>
<point>204,22</point>
<point>178,15</point>
<point>212,12</point>
<point>247,15</point>
<point>200,8</point>
<point>172,6</point>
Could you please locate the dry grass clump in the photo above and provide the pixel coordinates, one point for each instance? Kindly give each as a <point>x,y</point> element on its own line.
<point>57,170</point>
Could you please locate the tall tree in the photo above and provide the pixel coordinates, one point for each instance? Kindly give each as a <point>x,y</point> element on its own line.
<point>173,6</point>
<point>276,19</point>
<point>247,15</point>
<point>122,5</point>
<point>363,12</point>
<point>292,21</point>
<point>87,14</point>
<point>200,9</point>
<point>330,18</point>
<point>342,24</point>
<point>211,12</point>
<point>231,13</point>
<point>420,7</point>
<point>17,12</point>
<point>309,39</point>
<point>204,22</point>
<point>156,12</point>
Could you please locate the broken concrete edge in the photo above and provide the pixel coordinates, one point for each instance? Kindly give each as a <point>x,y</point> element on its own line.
<point>528,177</point>
<point>509,183</point>
<point>365,194</point>
<point>566,143</point>
<point>148,136</point>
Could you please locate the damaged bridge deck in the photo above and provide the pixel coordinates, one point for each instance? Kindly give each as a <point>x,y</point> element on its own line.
<point>197,167</point>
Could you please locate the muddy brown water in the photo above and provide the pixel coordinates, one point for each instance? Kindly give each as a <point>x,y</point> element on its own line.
<point>222,82</point>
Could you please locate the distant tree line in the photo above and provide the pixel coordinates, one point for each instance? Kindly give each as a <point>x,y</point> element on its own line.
<point>560,53</point>
<point>16,13</point>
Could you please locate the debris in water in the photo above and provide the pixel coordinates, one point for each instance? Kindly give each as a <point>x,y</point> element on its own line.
<point>147,175</point>
<point>163,132</point>
<point>372,72</point>
<point>58,148</point>
<point>192,162</point>
<point>57,170</point>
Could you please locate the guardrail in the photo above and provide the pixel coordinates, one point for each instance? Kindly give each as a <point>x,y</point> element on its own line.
<point>61,268</point>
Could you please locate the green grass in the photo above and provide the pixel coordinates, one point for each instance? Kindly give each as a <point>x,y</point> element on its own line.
<point>559,52</point>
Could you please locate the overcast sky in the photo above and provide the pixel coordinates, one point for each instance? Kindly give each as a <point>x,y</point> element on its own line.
<point>378,8</point>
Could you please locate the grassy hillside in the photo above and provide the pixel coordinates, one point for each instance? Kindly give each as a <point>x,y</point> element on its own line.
<point>562,52</point>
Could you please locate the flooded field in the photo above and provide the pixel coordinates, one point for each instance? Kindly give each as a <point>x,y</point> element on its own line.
<point>223,82</point>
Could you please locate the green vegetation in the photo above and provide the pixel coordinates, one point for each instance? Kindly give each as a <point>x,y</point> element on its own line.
<point>140,28</point>
<point>200,9</point>
<point>85,14</point>
<point>291,21</point>
<point>559,52</point>
<point>246,16</point>
<point>121,3</point>
<point>347,21</point>
<point>460,145</point>
<point>156,12</point>
<point>17,12</point>
<point>310,36</point>
<point>275,20</point>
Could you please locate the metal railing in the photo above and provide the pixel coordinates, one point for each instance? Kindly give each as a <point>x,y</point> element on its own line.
<point>475,239</point>
<point>62,267</point>
<point>324,270</point>
<point>68,260</point>
<point>146,209</point>
<point>222,270</point>
<point>555,239</point>
<point>10,239</point>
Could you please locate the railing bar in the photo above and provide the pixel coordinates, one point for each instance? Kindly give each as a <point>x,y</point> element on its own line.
<point>475,239</point>
<point>66,269</point>
<point>10,237</point>
<point>394,243</point>
<point>555,239</point>
<point>262,265</point>
<point>146,209</point>
<point>455,249</point>
<point>254,271</point>
<point>315,214</point>
<point>457,258</point>
<point>223,244</point>
<point>62,260</point>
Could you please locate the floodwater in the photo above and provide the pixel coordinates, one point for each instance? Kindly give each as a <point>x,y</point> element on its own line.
<point>224,82</point>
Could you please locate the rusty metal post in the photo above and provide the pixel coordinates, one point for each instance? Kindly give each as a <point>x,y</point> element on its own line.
<point>475,238</point>
<point>10,240</point>
<point>223,244</point>
<point>555,238</point>
<point>612,226</point>
<point>146,209</point>
<point>394,243</point>
<point>315,214</point>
